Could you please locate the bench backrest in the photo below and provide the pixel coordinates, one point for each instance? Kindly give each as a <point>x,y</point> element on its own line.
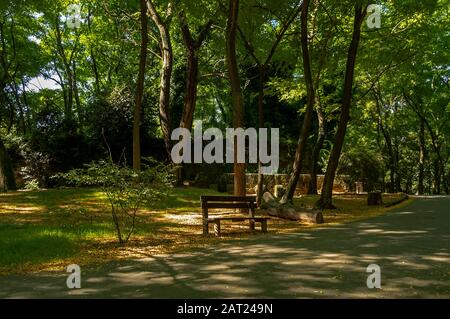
<point>228,202</point>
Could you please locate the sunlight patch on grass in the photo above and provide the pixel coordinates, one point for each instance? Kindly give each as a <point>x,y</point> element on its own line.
<point>48,229</point>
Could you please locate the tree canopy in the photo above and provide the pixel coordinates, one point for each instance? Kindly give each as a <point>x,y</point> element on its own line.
<point>349,98</point>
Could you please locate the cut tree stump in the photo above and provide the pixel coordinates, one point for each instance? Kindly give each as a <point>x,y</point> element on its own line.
<point>374,199</point>
<point>279,191</point>
<point>290,212</point>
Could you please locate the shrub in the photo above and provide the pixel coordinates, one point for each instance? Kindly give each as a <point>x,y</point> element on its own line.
<point>32,185</point>
<point>127,191</point>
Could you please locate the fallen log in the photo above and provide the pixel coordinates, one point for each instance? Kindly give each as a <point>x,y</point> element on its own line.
<point>290,212</point>
<point>293,214</point>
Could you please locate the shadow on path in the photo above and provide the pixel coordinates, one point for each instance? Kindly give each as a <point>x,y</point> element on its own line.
<point>411,245</point>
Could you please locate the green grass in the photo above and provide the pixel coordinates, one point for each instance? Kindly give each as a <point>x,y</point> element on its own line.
<point>48,229</point>
<point>32,244</point>
<point>49,226</point>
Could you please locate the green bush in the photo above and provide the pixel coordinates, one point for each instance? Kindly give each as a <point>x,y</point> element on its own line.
<point>127,191</point>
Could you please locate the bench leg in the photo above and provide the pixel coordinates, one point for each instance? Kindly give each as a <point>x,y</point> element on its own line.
<point>264,226</point>
<point>217,228</point>
<point>205,221</point>
<point>205,228</point>
<point>252,224</point>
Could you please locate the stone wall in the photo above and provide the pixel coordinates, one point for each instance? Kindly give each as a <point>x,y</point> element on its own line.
<point>340,186</point>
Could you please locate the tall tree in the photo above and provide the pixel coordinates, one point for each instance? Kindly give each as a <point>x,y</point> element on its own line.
<point>325,200</point>
<point>262,65</point>
<point>422,151</point>
<point>236,92</point>
<point>311,101</point>
<point>192,46</point>
<point>140,88</point>
<point>165,44</point>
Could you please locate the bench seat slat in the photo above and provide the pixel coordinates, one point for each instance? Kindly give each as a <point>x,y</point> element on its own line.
<point>228,205</point>
<point>257,219</point>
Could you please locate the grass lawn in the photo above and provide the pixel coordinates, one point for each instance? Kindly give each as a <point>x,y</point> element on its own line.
<point>49,229</point>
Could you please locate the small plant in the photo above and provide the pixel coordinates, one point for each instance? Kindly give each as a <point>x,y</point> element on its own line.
<point>127,191</point>
<point>32,185</point>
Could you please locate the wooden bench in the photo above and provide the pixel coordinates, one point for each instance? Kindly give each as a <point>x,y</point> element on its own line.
<point>233,202</point>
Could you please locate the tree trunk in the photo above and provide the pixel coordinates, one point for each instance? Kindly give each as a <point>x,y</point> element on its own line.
<point>311,100</point>
<point>76,94</point>
<point>262,68</point>
<point>392,166</point>
<point>262,74</point>
<point>166,71</point>
<point>312,186</point>
<point>236,93</point>
<point>434,138</point>
<point>387,139</point>
<point>7,179</point>
<point>68,93</point>
<point>20,106</point>
<point>190,96</point>
<point>140,90</point>
<point>420,188</point>
<point>398,185</point>
<point>192,47</point>
<point>93,58</point>
<point>25,103</point>
<point>325,200</point>
<point>437,178</point>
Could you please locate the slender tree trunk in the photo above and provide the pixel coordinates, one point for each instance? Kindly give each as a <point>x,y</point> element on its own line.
<point>434,138</point>
<point>392,166</point>
<point>25,103</point>
<point>236,93</point>
<point>68,111</point>
<point>420,188</point>
<point>96,73</point>
<point>166,71</point>
<point>262,68</point>
<point>68,93</point>
<point>260,185</point>
<point>388,141</point>
<point>140,90</point>
<point>398,185</point>
<point>20,106</point>
<point>190,96</point>
<point>312,186</point>
<point>325,200</point>
<point>93,58</point>
<point>437,178</point>
<point>311,100</point>
<point>76,94</point>
<point>192,46</point>
<point>7,178</point>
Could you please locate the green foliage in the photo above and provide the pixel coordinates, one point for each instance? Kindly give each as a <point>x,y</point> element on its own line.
<point>362,165</point>
<point>32,185</point>
<point>95,67</point>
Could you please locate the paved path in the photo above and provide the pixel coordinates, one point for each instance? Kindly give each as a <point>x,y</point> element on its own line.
<point>411,245</point>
